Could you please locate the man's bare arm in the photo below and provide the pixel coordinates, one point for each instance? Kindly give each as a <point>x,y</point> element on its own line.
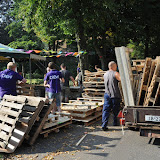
<point>23,81</point>
<point>62,79</point>
<point>46,85</point>
<point>117,75</point>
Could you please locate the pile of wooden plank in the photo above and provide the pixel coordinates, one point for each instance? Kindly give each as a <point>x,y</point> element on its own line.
<point>94,84</point>
<point>85,110</point>
<point>23,118</point>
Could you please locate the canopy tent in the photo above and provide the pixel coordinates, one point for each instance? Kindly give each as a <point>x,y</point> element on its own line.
<point>8,52</point>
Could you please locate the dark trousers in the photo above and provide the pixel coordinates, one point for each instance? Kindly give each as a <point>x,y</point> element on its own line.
<point>110,103</point>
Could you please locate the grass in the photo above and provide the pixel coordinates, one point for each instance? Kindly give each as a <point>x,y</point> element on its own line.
<point>40,82</point>
<point>36,81</point>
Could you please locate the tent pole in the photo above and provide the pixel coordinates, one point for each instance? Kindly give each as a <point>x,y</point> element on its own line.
<point>30,74</point>
<point>23,71</point>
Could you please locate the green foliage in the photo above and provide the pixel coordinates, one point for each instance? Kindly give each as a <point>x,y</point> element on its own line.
<point>138,50</point>
<point>100,25</point>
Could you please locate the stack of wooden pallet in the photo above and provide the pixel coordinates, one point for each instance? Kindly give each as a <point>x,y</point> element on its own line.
<point>94,84</point>
<point>86,110</point>
<point>147,91</point>
<point>22,118</point>
<point>141,94</point>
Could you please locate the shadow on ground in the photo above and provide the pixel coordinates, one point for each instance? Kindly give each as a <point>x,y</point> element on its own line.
<point>65,141</point>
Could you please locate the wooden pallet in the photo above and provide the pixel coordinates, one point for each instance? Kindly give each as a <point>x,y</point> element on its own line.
<point>153,67</point>
<point>81,113</point>
<point>94,79</point>
<point>152,97</point>
<point>81,102</point>
<point>90,119</point>
<point>93,84</point>
<point>55,126</point>
<point>16,138</point>
<point>31,112</point>
<point>38,125</point>
<point>90,95</point>
<point>144,81</point>
<point>139,62</point>
<point>10,110</point>
<point>92,99</point>
<point>25,89</point>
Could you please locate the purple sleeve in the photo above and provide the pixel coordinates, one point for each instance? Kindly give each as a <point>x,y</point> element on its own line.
<point>60,75</point>
<point>18,76</point>
<point>46,77</point>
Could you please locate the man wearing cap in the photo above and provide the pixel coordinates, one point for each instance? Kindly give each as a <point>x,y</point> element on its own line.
<point>8,79</point>
<point>112,95</point>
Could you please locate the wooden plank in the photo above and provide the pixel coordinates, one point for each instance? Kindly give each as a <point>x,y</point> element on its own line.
<point>15,98</point>
<point>7,119</point>
<point>95,90</point>
<point>52,124</point>
<point>79,114</point>
<point>3,145</point>
<point>43,120</point>
<point>57,127</point>
<point>144,82</point>
<point>7,111</point>
<point>6,128</point>
<point>4,136</point>
<point>34,116</point>
<point>34,101</point>
<point>11,105</point>
<point>89,118</point>
<point>29,108</point>
<point>153,82</point>
<point>91,99</point>
<point>16,138</point>
<point>27,114</point>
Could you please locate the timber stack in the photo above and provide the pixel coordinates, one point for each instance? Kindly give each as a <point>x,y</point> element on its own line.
<point>142,93</point>
<point>94,84</point>
<point>88,108</point>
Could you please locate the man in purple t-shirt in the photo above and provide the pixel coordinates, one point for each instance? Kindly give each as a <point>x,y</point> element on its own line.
<point>52,81</point>
<point>8,79</point>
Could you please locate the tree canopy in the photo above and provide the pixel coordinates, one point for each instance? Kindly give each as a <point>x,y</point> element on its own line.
<point>100,25</point>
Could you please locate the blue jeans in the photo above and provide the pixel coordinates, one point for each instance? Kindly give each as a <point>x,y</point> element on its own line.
<point>57,96</point>
<point>110,103</point>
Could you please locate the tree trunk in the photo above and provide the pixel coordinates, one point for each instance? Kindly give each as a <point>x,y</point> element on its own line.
<point>102,58</point>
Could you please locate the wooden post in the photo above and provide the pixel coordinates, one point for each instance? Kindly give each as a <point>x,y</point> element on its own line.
<point>30,71</point>
<point>80,57</point>
<point>23,70</point>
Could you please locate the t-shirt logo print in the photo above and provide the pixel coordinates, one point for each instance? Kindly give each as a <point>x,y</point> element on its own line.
<point>54,77</point>
<point>6,76</point>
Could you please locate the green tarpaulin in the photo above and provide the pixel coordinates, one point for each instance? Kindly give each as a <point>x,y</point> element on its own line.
<point>8,52</point>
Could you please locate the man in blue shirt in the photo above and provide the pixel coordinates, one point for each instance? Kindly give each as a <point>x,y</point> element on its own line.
<point>8,79</point>
<point>52,81</point>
